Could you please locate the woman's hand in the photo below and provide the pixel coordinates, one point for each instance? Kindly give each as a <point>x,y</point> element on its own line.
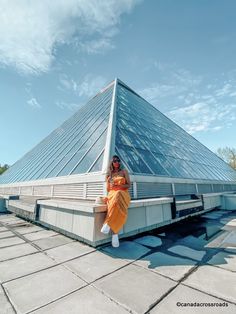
<point>124,186</point>
<point>110,183</point>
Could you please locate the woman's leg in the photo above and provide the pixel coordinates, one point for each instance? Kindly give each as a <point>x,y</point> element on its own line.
<point>105,228</point>
<point>115,240</point>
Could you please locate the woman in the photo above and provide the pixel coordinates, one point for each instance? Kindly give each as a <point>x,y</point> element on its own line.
<point>118,199</point>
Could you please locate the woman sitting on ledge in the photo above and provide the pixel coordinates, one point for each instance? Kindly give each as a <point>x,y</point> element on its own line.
<point>118,199</point>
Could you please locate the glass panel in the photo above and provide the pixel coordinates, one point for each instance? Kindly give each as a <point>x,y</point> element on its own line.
<point>91,155</point>
<point>98,164</point>
<point>133,160</point>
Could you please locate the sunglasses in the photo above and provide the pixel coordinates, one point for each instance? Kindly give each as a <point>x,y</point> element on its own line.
<point>116,160</point>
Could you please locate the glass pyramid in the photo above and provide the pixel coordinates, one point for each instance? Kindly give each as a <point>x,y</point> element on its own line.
<point>117,120</point>
<point>152,144</point>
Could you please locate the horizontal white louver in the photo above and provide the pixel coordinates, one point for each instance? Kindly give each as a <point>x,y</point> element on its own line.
<point>94,189</point>
<point>69,190</point>
<point>131,190</point>
<point>204,188</point>
<point>149,189</point>
<point>218,188</point>
<point>227,187</point>
<point>185,188</point>
<point>26,190</point>
<point>44,190</point>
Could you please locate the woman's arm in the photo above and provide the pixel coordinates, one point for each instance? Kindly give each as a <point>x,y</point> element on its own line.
<point>108,183</point>
<point>126,174</point>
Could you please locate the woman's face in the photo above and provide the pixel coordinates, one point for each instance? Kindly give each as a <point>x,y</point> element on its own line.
<point>116,162</point>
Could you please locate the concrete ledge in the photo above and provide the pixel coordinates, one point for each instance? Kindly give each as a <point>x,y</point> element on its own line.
<point>74,205</point>
<point>92,207</point>
<point>83,219</point>
<point>212,200</point>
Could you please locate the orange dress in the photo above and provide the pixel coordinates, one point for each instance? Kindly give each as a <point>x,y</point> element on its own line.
<point>118,200</point>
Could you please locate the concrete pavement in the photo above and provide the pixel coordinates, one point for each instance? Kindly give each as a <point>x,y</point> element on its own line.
<point>189,267</point>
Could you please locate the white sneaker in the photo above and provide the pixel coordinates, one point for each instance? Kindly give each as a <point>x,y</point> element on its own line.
<point>105,229</point>
<point>115,240</point>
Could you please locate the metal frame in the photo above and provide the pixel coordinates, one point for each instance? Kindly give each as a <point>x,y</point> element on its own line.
<point>110,141</point>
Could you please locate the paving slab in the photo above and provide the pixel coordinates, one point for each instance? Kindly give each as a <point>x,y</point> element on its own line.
<point>50,242</point>
<point>223,240</point>
<point>167,265</point>
<point>193,242</point>
<point>228,228</point>
<point>230,249</point>
<point>9,218</point>
<point>95,265</point>
<point>40,235</point>
<point>187,252</point>
<point>127,250</point>
<point>87,300</point>
<point>135,287</point>
<point>16,251</point>
<point>230,239</point>
<point>151,241</point>
<point>6,216</point>
<point>229,221</point>
<point>28,229</point>
<point>9,222</point>
<point>69,251</point>
<point>185,300</point>
<point>10,241</point>
<point>212,229</point>
<point>24,265</point>
<point>33,291</point>
<point>224,260</point>
<point>6,234</point>
<point>229,224</point>
<point>2,229</point>
<point>215,281</point>
<point>5,305</point>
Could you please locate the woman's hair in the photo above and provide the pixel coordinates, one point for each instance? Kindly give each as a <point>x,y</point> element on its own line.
<point>111,168</point>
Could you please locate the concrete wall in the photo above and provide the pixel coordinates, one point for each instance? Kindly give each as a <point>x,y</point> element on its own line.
<point>228,202</point>
<point>211,200</point>
<point>84,221</point>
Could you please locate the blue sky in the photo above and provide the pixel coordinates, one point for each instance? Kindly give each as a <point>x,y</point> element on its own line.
<point>55,55</point>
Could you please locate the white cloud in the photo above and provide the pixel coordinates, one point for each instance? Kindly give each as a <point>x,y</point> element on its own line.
<point>91,85</point>
<point>203,116</point>
<point>173,83</point>
<point>34,103</point>
<point>224,91</point>
<point>31,31</point>
<point>68,83</point>
<point>191,101</point>
<point>69,106</point>
<point>99,46</point>
<point>87,87</point>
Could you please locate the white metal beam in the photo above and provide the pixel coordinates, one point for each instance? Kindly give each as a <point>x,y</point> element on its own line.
<point>110,141</point>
